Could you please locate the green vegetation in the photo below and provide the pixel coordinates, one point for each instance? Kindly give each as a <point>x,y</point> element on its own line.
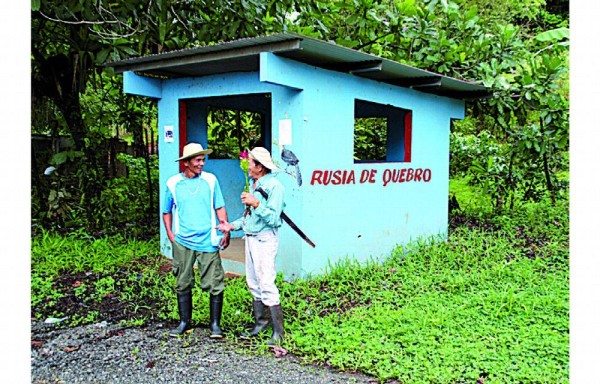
<point>490,303</point>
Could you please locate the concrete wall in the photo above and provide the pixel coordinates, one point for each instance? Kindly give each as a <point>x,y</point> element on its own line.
<point>363,220</point>
<point>356,219</point>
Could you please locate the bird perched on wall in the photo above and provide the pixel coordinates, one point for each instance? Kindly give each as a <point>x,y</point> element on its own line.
<point>291,160</point>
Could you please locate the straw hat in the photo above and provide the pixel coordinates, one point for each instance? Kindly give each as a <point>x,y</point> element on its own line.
<point>263,156</point>
<point>193,150</point>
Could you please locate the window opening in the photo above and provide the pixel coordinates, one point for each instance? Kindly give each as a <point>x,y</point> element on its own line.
<point>382,133</point>
<point>234,123</point>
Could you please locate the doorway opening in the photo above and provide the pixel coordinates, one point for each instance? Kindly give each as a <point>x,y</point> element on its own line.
<point>228,125</point>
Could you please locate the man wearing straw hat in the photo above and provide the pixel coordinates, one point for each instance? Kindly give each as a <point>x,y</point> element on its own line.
<point>260,226</point>
<point>193,204</point>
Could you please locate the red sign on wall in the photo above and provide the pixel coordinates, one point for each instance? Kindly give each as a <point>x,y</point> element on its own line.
<point>388,176</point>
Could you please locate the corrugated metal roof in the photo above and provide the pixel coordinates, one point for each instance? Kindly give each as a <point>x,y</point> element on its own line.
<point>243,56</point>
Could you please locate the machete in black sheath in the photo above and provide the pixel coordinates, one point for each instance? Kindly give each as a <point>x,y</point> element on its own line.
<point>287,219</point>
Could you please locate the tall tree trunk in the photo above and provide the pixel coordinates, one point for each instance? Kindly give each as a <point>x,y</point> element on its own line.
<point>141,150</point>
<point>150,211</point>
<point>71,109</point>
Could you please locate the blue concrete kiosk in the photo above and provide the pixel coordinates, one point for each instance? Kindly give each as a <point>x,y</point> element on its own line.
<point>310,93</point>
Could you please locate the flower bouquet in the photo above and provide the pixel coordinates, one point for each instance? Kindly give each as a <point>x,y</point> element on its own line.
<point>245,166</point>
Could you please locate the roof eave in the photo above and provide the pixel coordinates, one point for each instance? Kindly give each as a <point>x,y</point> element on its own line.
<point>242,55</point>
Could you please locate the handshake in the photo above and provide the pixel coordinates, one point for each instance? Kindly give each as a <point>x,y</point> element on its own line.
<point>225,227</point>
<point>250,201</point>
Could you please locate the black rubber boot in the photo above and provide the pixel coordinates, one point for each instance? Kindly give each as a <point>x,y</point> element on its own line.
<point>261,319</point>
<point>277,317</point>
<point>216,308</point>
<point>184,303</point>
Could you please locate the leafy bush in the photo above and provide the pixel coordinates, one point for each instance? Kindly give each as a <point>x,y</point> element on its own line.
<point>468,150</point>
<point>129,204</point>
<point>125,205</point>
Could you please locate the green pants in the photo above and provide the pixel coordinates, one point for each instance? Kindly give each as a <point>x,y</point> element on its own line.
<point>212,275</point>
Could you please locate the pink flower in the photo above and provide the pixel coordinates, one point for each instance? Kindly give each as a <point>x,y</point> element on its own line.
<point>244,155</point>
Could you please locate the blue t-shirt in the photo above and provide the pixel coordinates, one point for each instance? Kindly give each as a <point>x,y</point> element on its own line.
<point>193,202</point>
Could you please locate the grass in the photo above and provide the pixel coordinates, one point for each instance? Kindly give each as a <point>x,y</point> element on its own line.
<point>490,305</point>
<point>451,312</point>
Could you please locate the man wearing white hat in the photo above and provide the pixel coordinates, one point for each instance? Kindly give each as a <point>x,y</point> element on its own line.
<point>262,241</point>
<point>192,206</point>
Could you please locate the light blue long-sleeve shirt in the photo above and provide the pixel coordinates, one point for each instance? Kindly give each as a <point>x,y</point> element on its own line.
<point>268,213</point>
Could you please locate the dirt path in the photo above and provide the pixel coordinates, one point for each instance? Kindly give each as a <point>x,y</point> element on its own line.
<point>105,353</point>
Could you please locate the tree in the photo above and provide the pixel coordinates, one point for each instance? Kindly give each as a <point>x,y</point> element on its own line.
<point>72,39</point>
<point>494,42</point>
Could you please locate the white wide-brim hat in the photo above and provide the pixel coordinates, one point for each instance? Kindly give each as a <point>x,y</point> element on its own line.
<point>263,156</point>
<point>193,150</point>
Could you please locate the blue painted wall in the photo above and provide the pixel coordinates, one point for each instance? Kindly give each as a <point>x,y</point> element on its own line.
<point>357,220</point>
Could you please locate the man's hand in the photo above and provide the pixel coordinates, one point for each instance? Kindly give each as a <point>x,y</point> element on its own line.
<point>171,236</point>
<point>225,240</point>
<point>249,199</point>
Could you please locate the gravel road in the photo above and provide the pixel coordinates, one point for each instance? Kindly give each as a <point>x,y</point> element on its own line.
<point>106,353</point>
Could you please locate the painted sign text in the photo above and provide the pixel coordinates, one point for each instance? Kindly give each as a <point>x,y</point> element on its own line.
<point>340,177</point>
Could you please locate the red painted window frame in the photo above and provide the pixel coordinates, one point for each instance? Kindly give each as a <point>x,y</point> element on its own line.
<point>407,136</point>
<point>182,129</point>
